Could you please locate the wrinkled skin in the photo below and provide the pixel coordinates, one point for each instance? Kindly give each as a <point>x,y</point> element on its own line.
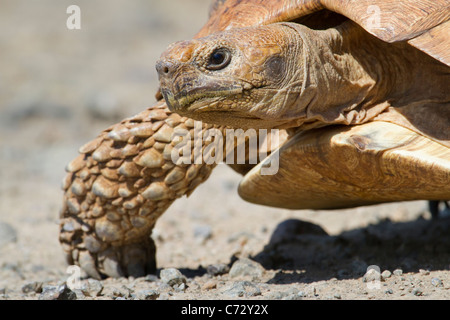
<point>289,76</point>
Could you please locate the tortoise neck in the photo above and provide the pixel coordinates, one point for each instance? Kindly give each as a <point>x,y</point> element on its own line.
<point>350,77</point>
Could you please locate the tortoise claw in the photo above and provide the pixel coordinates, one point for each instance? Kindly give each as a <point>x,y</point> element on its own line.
<point>136,259</point>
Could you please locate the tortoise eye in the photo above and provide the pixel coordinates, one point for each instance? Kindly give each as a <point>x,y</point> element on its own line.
<point>219,59</point>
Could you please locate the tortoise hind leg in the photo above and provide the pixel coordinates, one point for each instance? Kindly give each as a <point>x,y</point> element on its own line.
<point>434,207</point>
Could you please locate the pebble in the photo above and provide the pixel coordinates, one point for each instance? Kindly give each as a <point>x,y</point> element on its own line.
<point>385,275</point>
<point>151,278</point>
<point>437,282</point>
<point>180,287</point>
<point>210,284</point>
<point>61,292</point>
<point>371,275</point>
<point>217,269</point>
<point>147,295</point>
<point>424,272</point>
<point>172,277</point>
<point>246,268</point>
<point>417,292</point>
<point>397,272</point>
<point>242,289</point>
<point>92,288</point>
<point>34,286</point>
<point>290,294</point>
<point>7,234</point>
<point>116,292</point>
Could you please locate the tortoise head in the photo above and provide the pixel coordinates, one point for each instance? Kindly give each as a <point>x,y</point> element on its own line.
<point>241,77</point>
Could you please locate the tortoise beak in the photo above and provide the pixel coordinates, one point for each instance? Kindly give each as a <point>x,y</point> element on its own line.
<point>169,85</point>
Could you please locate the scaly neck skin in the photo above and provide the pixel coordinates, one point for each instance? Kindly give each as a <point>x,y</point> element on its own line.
<point>348,76</point>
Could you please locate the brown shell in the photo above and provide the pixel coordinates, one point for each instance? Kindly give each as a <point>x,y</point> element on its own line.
<point>423,23</point>
<point>340,167</point>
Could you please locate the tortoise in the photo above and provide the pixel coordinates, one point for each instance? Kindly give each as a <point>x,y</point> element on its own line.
<point>359,94</point>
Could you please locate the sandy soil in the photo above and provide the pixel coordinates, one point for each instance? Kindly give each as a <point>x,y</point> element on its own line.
<point>59,88</point>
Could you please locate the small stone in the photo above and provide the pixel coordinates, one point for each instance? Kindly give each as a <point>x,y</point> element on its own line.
<point>243,289</point>
<point>180,287</point>
<point>151,278</point>
<point>210,284</point>
<point>147,295</point>
<point>371,275</point>
<point>217,269</point>
<point>437,282</point>
<point>118,293</point>
<point>424,272</point>
<point>61,292</point>
<point>385,275</point>
<point>275,295</point>
<point>34,286</point>
<point>246,268</point>
<point>397,272</point>
<point>337,296</point>
<point>389,291</point>
<point>172,277</point>
<point>417,292</point>
<point>301,294</point>
<point>92,288</point>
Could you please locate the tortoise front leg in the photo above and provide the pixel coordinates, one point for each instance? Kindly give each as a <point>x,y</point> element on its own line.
<point>118,187</point>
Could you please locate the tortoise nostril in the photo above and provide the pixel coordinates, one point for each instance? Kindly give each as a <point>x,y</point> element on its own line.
<point>165,68</point>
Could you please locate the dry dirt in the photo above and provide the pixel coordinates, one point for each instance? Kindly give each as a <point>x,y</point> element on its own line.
<point>59,88</point>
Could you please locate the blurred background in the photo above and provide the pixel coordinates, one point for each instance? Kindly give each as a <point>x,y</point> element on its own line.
<point>59,88</point>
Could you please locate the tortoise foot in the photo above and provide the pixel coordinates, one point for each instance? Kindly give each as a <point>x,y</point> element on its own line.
<point>99,259</point>
<point>439,207</point>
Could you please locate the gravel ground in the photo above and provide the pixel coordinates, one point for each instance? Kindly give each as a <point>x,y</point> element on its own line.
<point>59,88</point>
